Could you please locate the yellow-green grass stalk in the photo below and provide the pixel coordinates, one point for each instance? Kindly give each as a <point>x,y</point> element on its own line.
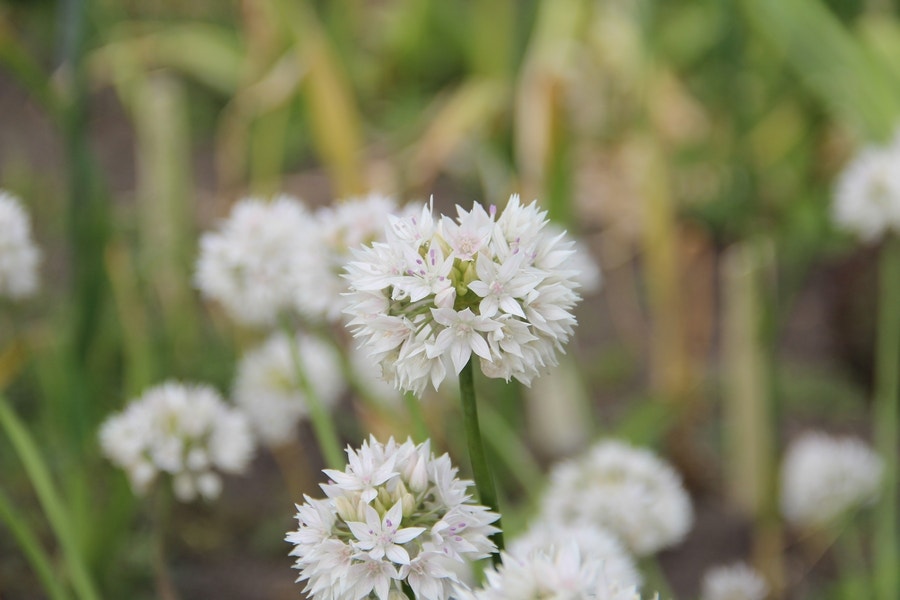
<point>28,540</point>
<point>886,414</point>
<point>51,502</point>
<point>323,425</point>
<point>750,416</point>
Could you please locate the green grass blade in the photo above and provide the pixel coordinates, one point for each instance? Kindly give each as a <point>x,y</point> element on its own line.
<point>36,555</point>
<point>833,64</point>
<point>39,475</point>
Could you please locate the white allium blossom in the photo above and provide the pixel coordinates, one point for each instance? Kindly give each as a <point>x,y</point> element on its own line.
<point>591,540</point>
<point>867,193</point>
<point>735,582</point>
<point>19,256</point>
<point>629,491</point>
<point>268,387</point>
<point>186,431</point>
<point>823,477</point>
<point>337,228</point>
<point>557,573</point>
<point>252,264</point>
<point>584,267</point>
<point>440,290</point>
<point>396,514</point>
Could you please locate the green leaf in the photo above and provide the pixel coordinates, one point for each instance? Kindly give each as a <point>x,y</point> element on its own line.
<point>832,63</point>
<point>50,500</point>
<point>36,555</point>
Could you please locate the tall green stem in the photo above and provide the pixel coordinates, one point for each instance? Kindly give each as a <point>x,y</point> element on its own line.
<point>484,481</point>
<point>326,434</point>
<point>887,555</point>
<point>165,588</point>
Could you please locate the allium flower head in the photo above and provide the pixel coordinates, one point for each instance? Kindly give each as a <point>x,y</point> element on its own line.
<point>268,388</point>
<point>823,477</point>
<point>337,229</point>
<point>867,194</point>
<point>556,573</point>
<point>629,491</point>
<point>395,514</point>
<point>591,540</point>
<point>735,582</point>
<point>440,290</point>
<point>18,255</point>
<point>186,431</point>
<point>252,264</point>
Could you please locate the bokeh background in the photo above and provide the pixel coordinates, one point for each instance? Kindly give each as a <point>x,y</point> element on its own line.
<point>691,145</point>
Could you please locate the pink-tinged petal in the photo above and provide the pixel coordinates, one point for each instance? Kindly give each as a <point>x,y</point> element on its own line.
<point>480,288</point>
<point>407,534</point>
<point>372,519</point>
<point>488,306</point>
<point>397,554</point>
<point>512,307</point>
<point>480,347</point>
<point>382,587</point>
<point>460,354</point>
<point>394,516</point>
<point>363,533</point>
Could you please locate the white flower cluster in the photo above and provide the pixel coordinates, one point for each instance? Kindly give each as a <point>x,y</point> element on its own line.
<point>438,291</point>
<point>18,255</point>
<point>560,573</point>
<point>395,515</point>
<point>629,491</point>
<point>592,541</point>
<point>867,194</point>
<point>251,266</point>
<point>268,388</point>
<point>338,228</point>
<point>823,477</point>
<point>734,582</point>
<point>186,431</point>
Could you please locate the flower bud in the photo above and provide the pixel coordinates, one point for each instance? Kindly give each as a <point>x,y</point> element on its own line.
<point>345,508</point>
<point>418,478</point>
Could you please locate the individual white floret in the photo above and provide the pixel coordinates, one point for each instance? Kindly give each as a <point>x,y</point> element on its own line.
<point>629,491</point>
<point>252,264</point>
<point>184,430</point>
<point>397,514</point>
<point>823,477</point>
<point>734,582</point>
<point>270,392</point>
<point>19,256</point>
<point>557,573</point>
<point>441,291</point>
<point>591,540</point>
<point>867,193</point>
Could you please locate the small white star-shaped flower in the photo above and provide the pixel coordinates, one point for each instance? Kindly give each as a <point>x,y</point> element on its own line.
<point>381,537</point>
<point>461,336</point>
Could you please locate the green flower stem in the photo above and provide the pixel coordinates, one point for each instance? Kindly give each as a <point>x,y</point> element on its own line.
<point>165,589</point>
<point>36,555</point>
<point>419,425</point>
<point>480,468</point>
<point>326,433</point>
<point>887,555</point>
<point>850,551</point>
<point>656,578</point>
<point>53,506</point>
